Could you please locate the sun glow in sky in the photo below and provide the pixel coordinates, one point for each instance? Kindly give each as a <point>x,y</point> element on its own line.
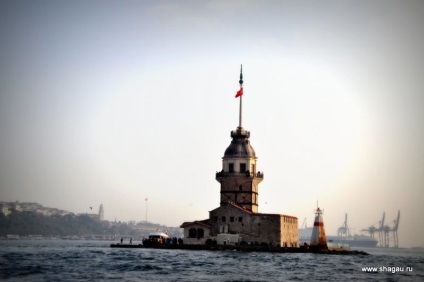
<point>106,102</point>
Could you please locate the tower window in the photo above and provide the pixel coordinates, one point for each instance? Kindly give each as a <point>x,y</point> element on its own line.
<point>242,167</point>
<point>230,167</point>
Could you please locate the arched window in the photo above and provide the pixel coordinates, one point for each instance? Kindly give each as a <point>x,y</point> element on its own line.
<point>200,233</point>
<point>192,233</point>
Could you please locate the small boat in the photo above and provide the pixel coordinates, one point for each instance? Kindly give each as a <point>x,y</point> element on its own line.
<point>156,238</point>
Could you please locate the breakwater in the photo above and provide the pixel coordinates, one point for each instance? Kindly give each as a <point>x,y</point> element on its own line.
<point>269,249</point>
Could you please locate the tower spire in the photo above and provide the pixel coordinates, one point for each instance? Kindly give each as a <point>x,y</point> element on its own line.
<point>241,76</point>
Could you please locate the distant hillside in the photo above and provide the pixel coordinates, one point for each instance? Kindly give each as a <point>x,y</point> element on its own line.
<point>23,222</point>
<point>7,207</point>
<point>32,223</point>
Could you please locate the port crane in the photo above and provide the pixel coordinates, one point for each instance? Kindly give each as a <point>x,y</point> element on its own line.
<point>344,229</point>
<point>304,224</point>
<point>394,230</point>
<point>372,230</point>
<point>381,231</point>
<point>384,231</point>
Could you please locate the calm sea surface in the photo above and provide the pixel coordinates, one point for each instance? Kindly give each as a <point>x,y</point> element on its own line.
<point>22,260</point>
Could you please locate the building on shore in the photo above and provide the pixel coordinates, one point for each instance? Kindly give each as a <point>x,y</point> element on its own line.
<point>238,214</point>
<point>96,216</point>
<point>101,213</point>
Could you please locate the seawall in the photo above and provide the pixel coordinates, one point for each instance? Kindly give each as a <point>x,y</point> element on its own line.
<point>269,249</point>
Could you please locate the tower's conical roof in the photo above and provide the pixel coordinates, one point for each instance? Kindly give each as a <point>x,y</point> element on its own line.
<point>240,145</point>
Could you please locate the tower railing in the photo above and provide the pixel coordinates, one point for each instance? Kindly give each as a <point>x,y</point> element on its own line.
<point>240,174</point>
<point>240,133</point>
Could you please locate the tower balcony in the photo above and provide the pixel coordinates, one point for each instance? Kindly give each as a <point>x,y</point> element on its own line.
<point>247,174</point>
<point>240,133</point>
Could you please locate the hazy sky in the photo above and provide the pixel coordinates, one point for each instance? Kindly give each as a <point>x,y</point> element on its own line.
<point>110,102</point>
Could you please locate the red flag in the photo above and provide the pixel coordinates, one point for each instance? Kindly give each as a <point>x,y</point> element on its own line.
<point>240,92</point>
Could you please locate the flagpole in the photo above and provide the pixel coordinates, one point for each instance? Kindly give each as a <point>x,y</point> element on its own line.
<point>241,97</point>
<point>240,109</point>
<point>146,210</point>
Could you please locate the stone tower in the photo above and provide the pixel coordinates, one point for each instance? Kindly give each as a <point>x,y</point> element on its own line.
<point>239,177</point>
<point>101,213</point>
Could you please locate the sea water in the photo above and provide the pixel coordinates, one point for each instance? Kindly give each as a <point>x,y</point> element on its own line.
<point>60,260</point>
